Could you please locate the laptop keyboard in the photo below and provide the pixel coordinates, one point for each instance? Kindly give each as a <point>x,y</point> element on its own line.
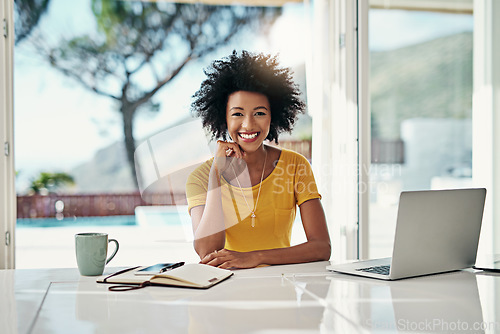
<point>382,270</point>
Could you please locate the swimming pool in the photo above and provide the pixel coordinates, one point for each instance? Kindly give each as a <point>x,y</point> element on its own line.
<point>144,216</point>
<point>76,221</point>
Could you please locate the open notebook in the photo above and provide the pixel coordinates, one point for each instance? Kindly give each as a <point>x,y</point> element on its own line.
<point>192,275</point>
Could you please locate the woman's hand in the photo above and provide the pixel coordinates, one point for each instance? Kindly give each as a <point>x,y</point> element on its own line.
<point>228,149</point>
<point>224,153</point>
<point>227,259</point>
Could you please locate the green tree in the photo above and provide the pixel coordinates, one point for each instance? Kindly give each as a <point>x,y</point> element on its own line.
<point>27,15</point>
<point>49,182</point>
<point>146,39</point>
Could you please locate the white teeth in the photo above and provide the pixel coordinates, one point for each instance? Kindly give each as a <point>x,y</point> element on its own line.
<point>253,135</point>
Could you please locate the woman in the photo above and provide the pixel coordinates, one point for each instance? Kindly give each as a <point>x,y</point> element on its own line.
<point>243,201</point>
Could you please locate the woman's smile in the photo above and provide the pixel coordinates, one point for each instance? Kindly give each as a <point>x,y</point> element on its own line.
<point>248,137</point>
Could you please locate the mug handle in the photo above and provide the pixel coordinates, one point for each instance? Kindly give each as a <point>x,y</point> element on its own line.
<point>116,250</point>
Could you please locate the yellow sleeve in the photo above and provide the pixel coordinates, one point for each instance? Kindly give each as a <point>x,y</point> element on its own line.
<point>197,185</point>
<point>305,184</point>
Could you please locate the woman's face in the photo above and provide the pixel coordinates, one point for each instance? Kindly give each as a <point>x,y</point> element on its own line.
<point>248,118</point>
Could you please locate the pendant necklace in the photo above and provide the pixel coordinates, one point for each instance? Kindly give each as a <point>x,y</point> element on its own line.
<point>252,214</point>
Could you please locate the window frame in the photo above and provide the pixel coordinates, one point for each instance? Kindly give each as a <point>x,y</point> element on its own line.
<point>486,120</point>
<point>7,174</point>
<point>337,90</point>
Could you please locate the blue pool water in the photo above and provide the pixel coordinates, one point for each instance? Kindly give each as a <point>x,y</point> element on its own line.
<point>152,219</point>
<point>76,221</point>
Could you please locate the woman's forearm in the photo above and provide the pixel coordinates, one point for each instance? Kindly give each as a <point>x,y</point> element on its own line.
<point>204,246</point>
<point>209,233</point>
<point>313,250</point>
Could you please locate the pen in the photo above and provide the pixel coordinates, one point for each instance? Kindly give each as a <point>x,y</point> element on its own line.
<point>175,265</point>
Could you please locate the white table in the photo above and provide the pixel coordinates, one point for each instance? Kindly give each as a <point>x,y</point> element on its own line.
<point>302,298</point>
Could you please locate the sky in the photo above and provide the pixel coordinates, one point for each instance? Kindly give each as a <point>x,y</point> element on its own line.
<point>413,27</point>
<point>58,125</point>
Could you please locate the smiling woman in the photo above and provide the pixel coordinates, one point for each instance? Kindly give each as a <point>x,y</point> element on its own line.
<point>241,203</point>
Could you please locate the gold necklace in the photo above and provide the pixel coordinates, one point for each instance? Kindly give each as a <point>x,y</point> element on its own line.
<point>258,194</point>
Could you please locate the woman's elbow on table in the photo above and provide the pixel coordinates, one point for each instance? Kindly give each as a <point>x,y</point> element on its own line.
<point>323,251</point>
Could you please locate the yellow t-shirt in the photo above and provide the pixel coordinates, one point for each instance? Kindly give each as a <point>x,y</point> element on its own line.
<point>291,183</point>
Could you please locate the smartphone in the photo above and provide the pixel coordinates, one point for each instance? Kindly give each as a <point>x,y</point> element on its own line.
<point>158,268</point>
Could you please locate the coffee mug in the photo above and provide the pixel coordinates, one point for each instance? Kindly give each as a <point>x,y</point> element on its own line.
<point>91,251</point>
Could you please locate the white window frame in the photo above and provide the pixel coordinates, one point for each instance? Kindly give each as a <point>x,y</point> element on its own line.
<point>364,130</point>
<point>486,119</point>
<point>7,174</point>
<point>337,85</point>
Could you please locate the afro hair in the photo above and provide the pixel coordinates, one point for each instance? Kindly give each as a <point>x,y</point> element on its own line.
<point>258,73</point>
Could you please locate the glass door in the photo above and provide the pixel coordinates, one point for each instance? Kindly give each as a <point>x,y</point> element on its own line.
<point>420,107</point>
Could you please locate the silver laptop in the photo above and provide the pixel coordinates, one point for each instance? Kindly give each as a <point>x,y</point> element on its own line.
<point>436,231</point>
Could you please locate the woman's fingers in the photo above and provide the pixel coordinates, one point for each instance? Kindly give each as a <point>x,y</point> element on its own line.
<point>229,149</point>
<point>217,259</point>
<point>227,259</point>
<point>225,151</point>
<point>207,258</point>
<point>211,257</point>
<point>225,265</point>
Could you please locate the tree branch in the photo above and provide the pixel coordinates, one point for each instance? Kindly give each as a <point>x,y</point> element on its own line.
<point>147,96</point>
<point>85,85</point>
